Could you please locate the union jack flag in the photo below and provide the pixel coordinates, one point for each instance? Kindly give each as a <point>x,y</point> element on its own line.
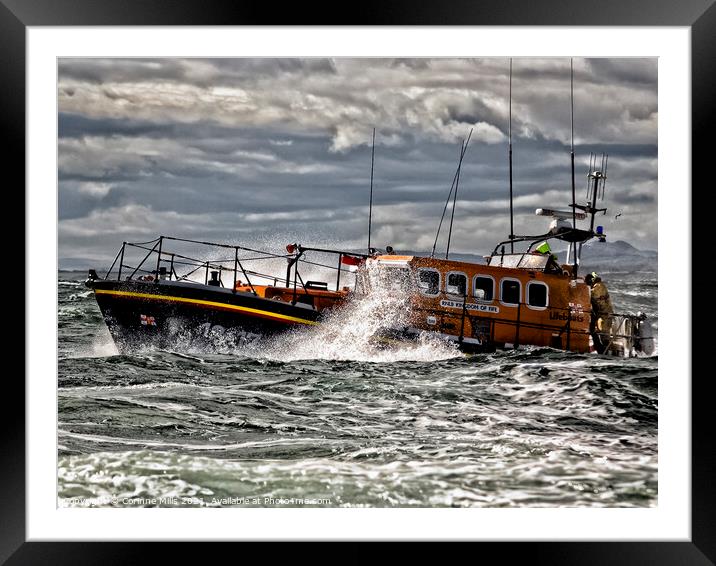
<point>147,320</point>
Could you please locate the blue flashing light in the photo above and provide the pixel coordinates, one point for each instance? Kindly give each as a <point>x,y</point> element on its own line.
<point>601,236</point>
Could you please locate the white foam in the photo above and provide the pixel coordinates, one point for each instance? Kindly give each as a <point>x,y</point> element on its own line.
<point>349,333</point>
<point>102,346</point>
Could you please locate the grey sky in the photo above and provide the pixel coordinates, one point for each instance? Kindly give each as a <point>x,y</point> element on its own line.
<point>267,151</point>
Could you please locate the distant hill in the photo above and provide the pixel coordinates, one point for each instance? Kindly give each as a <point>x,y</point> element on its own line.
<point>617,256</point>
<point>80,264</point>
<point>596,256</point>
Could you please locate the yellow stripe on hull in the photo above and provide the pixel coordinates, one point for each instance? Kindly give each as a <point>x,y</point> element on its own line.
<point>200,302</point>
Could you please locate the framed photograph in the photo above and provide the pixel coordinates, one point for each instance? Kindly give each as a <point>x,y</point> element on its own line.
<point>243,219</point>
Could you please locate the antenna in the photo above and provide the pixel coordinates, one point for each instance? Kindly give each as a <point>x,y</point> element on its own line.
<point>509,130</point>
<point>574,197</point>
<point>457,183</point>
<point>596,179</point>
<point>370,206</point>
<point>452,186</point>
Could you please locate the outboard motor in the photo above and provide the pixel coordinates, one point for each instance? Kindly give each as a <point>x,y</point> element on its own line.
<point>644,336</point>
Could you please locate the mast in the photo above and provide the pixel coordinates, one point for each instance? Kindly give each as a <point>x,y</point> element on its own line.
<point>512,229</point>
<point>452,186</point>
<point>574,197</point>
<point>370,206</point>
<point>454,200</point>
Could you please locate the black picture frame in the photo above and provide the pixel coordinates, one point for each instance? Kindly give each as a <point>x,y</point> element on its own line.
<point>699,15</point>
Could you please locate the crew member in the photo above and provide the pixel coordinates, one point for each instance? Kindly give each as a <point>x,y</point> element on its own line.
<point>602,311</point>
<point>553,261</point>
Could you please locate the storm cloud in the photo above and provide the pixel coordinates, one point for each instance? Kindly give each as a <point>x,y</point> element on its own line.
<point>276,150</point>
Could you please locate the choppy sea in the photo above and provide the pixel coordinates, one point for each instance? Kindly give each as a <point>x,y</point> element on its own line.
<point>330,420</point>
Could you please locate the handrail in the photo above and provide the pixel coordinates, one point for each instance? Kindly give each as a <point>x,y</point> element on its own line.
<point>522,323</point>
<point>337,252</point>
<point>267,255</point>
<point>548,236</point>
<point>217,245</point>
<point>234,264</point>
<point>111,267</point>
<point>145,259</point>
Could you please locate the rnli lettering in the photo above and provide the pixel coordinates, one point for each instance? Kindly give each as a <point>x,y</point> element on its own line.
<point>469,306</point>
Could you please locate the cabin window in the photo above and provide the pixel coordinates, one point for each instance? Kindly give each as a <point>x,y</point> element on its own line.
<point>484,288</point>
<point>429,281</point>
<point>537,295</point>
<point>456,284</point>
<point>510,291</point>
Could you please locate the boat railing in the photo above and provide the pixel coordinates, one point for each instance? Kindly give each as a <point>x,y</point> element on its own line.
<point>621,326</point>
<point>519,322</point>
<point>159,262</point>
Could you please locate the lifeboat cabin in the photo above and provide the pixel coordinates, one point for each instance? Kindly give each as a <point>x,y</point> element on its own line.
<point>514,299</point>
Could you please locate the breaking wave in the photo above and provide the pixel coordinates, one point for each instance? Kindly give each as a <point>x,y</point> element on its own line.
<point>355,331</point>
